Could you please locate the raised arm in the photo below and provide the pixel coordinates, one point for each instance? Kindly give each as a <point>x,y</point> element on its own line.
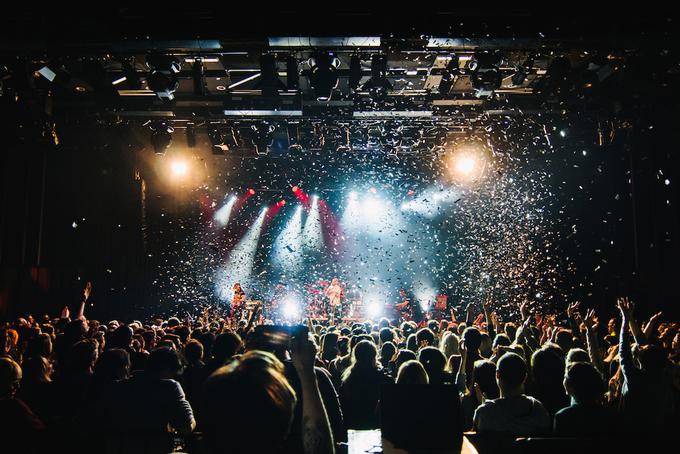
<point>490,328</point>
<point>594,351</point>
<point>80,314</point>
<point>316,430</point>
<point>627,367</point>
<point>650,326</point>
<point>469,314</point>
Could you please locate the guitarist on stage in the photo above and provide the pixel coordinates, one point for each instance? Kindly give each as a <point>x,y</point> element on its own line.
<point>238,301</point>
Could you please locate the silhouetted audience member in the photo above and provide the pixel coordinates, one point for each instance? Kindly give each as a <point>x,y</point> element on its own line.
<point>360,389</point>
<point>513,413</point>
<point>586,416</point>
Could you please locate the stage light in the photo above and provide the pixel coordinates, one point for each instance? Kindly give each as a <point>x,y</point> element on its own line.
<point>466,165</point>
<point>486,75</point>
<point>163,77</point>
<point>241,260</point>
<point>224,213</point>
<point>323,75</point>
<point>251,191</point>
<point>373,309</point>
<point>312,235</point>
<point>287,249</point>
<point>179,168</point>
<point>467,162</point>
<point>296,189</point>
<point>290,309</point>
<point>280,203</point>
<point>353,195</point>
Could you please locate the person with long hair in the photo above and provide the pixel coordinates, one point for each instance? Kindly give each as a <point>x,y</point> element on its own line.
<point>360,389</point>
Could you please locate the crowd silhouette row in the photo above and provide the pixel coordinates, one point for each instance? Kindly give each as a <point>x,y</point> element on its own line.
<point>210,384</point>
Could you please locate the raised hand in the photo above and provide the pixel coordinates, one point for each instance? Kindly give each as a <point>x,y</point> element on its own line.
<point>655,318</point>
<point>486,305</point>
<point>589,319</point>
<point>494,319</point>
<point>87,290</point>
<point>303,354</point>
<point>470,309</point>
<point>572,309</point>
<point>524,310</point>
<point>626,307</point>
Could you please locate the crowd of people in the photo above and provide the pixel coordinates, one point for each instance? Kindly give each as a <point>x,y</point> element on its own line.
<point>213,384</point>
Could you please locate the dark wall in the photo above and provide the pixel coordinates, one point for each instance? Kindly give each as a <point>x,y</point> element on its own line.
<point>68,215</point>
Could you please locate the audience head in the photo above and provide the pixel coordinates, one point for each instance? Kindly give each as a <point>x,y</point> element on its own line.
<point>387,352</point>
<point>164,362</point>
<point>193,352</point>
<point>329,346</point>
<point>412,373</point>
<point>247,405</point>
<point>426,338</point>
<point>112,365</point>
<point>583,383</point>
<point>364,355</point>
<point>10,377</point>
<point>386,335</point>
<point>226,346</point>
<point>449,344</point>
<point>434,362</point>
<point>36,369</point>
<point>484,375</point>
<point>82,356</point>
<point>472,338</point>
<point>547,367</point>
<point>511,373</point>
<point>402,356</point>
<point>577,355</point>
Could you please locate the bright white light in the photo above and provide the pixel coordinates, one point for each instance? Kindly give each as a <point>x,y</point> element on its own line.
<point>373,309</point>
<point>353,195</point>
<point>374,208</point>
<point>179,168</point>
<point>466,162</point>
<point>223,214</point>
<point>466,165</point>
<point>291,308</point>
<point>239,264</point>
<point>287,250</point>
<point>312,235</point>
<point>425,294</point>
<point>563,133</point>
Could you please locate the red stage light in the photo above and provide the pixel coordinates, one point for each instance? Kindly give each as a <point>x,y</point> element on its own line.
<point>251,191</point>
<point>296,189</point>
<point>281,203</point>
